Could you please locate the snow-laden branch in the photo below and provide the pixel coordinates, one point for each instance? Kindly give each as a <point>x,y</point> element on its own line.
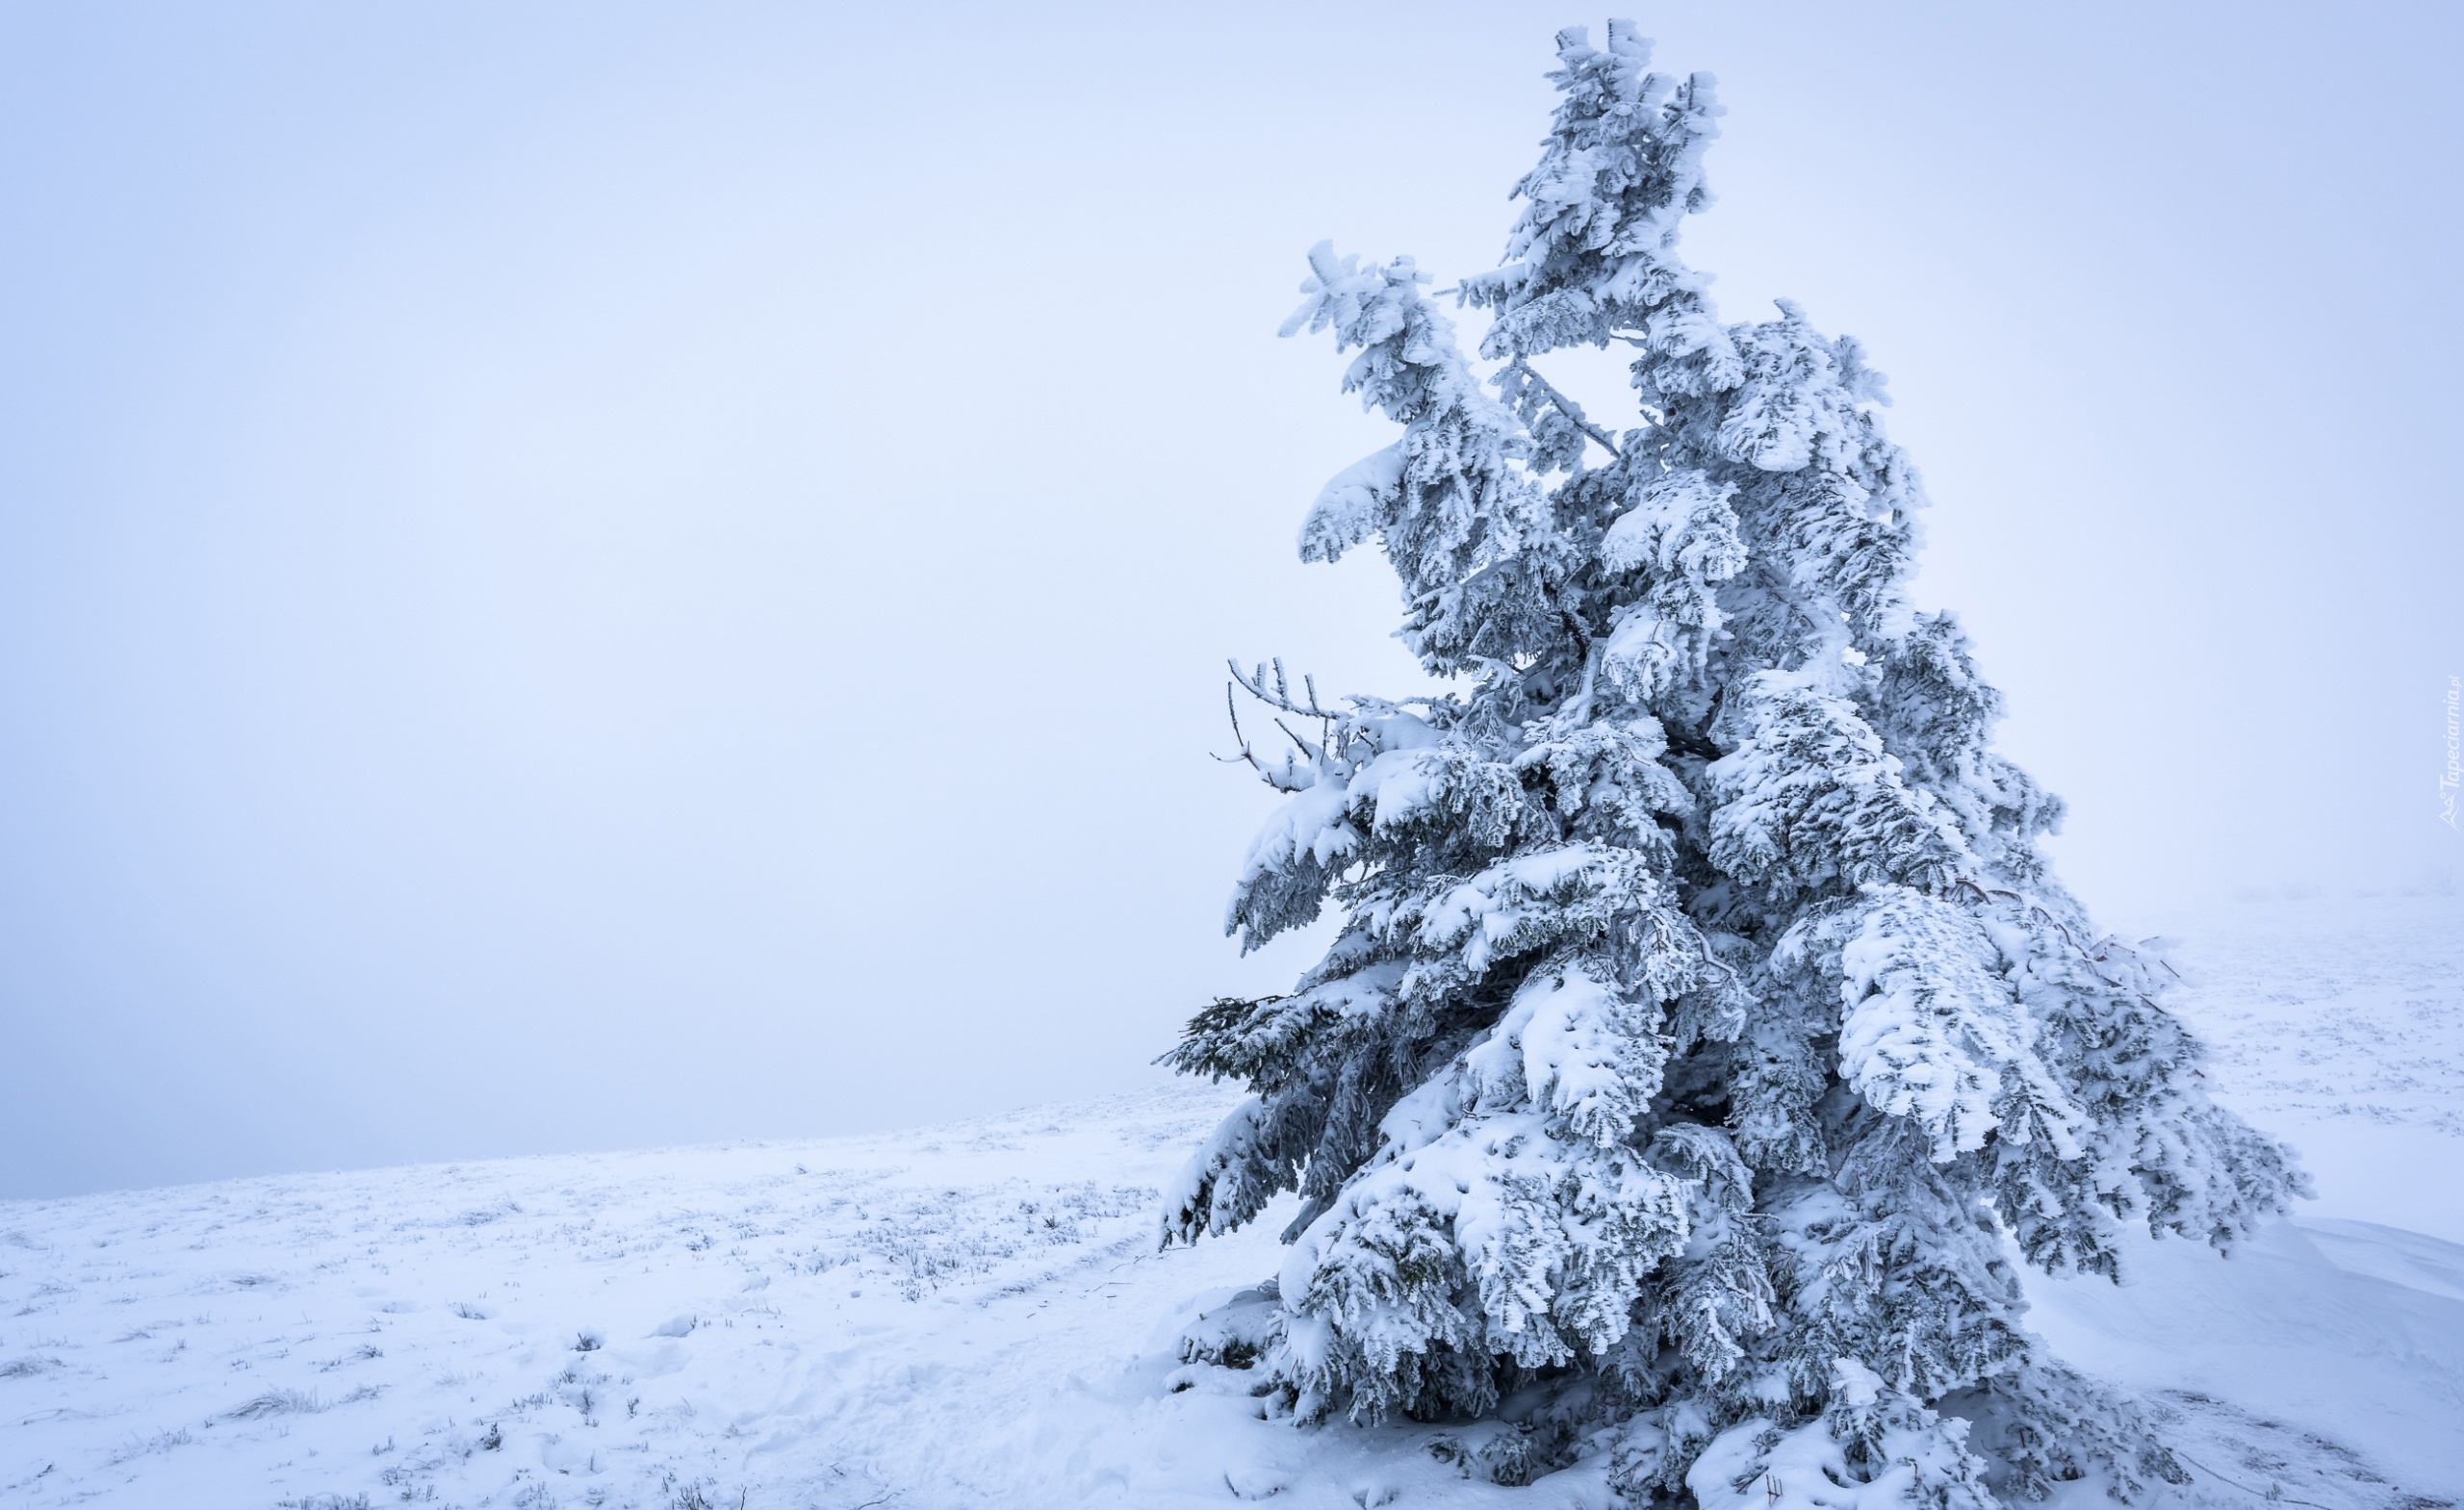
<point>1566,406</point>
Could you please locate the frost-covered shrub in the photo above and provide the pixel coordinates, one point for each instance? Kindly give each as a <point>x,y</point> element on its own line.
<point>1704,1016</point>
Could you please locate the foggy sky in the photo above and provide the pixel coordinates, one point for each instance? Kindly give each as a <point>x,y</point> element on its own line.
<point>587,576</point>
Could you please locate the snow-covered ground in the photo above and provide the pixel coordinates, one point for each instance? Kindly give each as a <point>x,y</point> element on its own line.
<point>2338,1023</point>
<point>975,1315</point>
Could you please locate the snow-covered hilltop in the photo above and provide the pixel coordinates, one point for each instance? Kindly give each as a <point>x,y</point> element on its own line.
<point>976,1314</point>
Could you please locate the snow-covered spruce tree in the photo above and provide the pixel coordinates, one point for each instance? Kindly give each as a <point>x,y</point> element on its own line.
<point>1703,1016</point>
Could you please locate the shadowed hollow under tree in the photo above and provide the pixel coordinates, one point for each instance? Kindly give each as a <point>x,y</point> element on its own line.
<point>1705,1027</point>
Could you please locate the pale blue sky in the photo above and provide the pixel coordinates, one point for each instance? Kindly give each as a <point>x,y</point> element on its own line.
<point>592,576</point>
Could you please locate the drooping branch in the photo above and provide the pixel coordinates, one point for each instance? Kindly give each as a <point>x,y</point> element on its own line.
<point>1567,407</point>
<point>2063,929</point>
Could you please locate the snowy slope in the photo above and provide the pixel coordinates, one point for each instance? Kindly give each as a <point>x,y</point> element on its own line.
<point>2338,1023</point>
<point>975,1315</point>
<point>2335,1023</point>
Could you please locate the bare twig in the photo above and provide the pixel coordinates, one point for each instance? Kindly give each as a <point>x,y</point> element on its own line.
<point>1233,709</point>
<point>1282,780</point>
<point>1313,751</point>
<point>1255,685</point>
